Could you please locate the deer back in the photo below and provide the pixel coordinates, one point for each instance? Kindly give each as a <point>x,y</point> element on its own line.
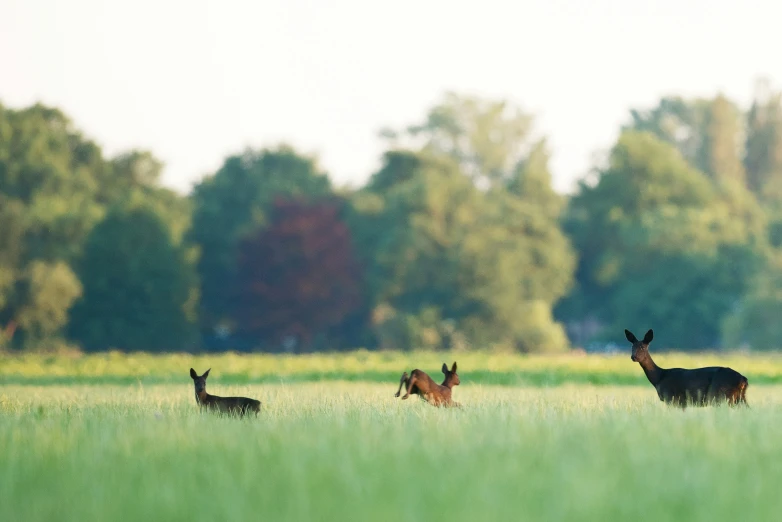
<point>237,405</point>
<point>423,382</point>
<point>698,385</point>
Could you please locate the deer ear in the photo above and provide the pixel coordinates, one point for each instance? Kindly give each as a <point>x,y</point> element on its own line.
<point>649,336</point>
<point>206,373</point>
<point>445,368</point>
<point>453,368</point>
<point>630,336</point>
<point>193,374</point>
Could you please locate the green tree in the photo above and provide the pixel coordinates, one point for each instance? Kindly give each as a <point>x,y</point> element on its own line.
<point>49,290</point>
<point>763,158</point>
<point>136,168</point>
<point>487,138</point>
<point>531,182</point>
<point>676,121</point>
<point>661,244</point>
<point>11,247</point>
<point>721,148</point>
<point>49,178</point>
<point>137,286</point>
<point>47,168</point>
<point>754,320</point>
<point>707,132</point>
<point>454,263</point>
<point>128,174</point>
<point>461,232</point>
<point>134,181</point>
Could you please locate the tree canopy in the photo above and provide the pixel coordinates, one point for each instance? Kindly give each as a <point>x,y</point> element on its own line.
<point>458,240</point>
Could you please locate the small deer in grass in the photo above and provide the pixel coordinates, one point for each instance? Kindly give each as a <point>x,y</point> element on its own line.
<point>419,383</point>
<point>696,387</point>
<point>231,405</point>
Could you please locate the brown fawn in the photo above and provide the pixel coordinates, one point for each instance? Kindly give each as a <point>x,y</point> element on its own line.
<point>419,383</point>
<point>696,387</point>
<point>231,405</point>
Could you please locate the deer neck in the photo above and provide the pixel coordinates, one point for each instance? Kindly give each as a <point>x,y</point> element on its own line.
<point>447,383</point>
<point>653,372</point>
<point>201,397</point>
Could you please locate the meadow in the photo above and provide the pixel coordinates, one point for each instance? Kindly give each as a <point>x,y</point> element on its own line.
<point>119,437</point>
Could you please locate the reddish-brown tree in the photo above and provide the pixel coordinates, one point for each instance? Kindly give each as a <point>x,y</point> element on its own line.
<point>299,277</point>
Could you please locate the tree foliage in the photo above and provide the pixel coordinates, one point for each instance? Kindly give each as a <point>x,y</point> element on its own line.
<point>661,244</point>
<point>55,188</point>
<point>299,276</point>
<point>721,146</point>
<point>458,262</point>
<point>486,138</point>
<point>48,180</point>
<point>763,160</point>
<point>458,241</point>
<point>234,203</point>
<point>137,286</point>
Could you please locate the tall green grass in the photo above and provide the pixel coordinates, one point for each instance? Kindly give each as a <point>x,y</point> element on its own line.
<point>474,367</point>
<point>351,452</point>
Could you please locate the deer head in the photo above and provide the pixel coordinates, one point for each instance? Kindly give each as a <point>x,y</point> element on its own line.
<point>451,378</point>
<point>640,348</point>
<point>200,382</point>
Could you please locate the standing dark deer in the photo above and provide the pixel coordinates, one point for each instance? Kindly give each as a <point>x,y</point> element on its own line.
<point>231,405</point>
<point>419,383</point>
<point>696,387</point>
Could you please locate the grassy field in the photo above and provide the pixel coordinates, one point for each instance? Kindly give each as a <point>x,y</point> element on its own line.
<point>474,367</point>
<point>120,438</point>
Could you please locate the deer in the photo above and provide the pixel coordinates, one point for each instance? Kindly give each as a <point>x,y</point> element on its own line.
<point>419,383</point>
<point>696,387</point>
<point>231,405</point>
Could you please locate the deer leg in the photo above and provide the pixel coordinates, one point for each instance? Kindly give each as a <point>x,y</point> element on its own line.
<point>402,382</point>
<point>739,399</point>
<point>680,401</point>
<point>743,393</point>
<point>410,384</point>
<point>731,397</point>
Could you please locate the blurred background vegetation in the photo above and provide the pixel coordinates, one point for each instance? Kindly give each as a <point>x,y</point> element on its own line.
<point>458,242</point>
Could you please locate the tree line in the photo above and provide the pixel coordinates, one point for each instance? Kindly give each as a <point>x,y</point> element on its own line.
<point>458,241</point>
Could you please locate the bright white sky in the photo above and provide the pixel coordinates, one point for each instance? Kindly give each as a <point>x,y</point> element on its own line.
<point>195,81</point>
